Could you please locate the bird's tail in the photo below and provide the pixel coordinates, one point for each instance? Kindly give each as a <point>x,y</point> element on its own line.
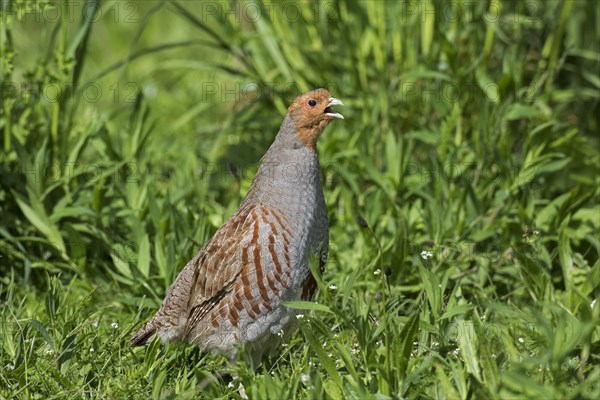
<point>144,335</point>
<point>162,325</point>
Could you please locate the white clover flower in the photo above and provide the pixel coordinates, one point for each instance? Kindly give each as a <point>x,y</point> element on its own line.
<point>332,287</point>
<point>377,272</point>
<point>115,325</point>
<point>91,349</point>
<point>94,324</point>
<point>426,254</point>
<point>521,340</point>
<point>305,378</point>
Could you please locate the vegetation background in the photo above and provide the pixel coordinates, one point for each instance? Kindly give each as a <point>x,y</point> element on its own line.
<point>462,188</point>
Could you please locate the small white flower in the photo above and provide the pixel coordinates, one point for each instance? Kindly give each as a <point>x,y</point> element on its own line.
<point>284,345</point>
<point>91,349</point>
<point>230,385</point>
<point>115,325</point>
<point>280,333</point>
<point>10,367</point>
<point>521,340</point>
<point>299,316</point>
<point>494,355</point>
<point>332,287</point>
<point>94,324</point>
<point>456,351</point>
<point>304,378</point>
<point>48,351</point>
<point>426,254</point>
<point>377,272</point>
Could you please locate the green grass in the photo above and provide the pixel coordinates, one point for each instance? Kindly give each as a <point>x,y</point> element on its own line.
<point>462,190</point>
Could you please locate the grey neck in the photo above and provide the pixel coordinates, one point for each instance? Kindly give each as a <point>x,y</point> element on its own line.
<point>289,174</point>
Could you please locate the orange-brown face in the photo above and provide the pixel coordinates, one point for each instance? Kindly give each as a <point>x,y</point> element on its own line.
<point>311,113</point>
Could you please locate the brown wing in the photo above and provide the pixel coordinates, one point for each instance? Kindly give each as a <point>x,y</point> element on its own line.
<point>221,265</point>
<point>203,282</point>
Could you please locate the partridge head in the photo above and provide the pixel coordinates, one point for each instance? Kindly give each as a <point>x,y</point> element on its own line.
<point>311,113</point>
<point>231,293</point>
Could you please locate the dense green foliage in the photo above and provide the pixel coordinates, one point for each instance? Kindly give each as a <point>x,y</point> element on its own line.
<point>462,188</point>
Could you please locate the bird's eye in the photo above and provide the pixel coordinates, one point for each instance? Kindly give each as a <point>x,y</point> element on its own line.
<point>312,102</point>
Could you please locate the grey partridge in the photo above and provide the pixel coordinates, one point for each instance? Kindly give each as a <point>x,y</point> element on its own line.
<point>230,294</point>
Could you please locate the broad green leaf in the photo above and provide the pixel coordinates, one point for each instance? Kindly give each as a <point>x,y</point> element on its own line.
<point>327,362</point>
<point>42,223</point>
<point>566,259</point>
<point>446,385</point>
<point>457,310</point>
<point>143,264</point>
<point>122,266</point>
<point>407,337</point>
<point>42,330</point>
<point>467,343</point>
<point>307,305</point>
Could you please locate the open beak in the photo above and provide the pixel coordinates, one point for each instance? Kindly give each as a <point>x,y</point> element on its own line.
<point>333,102</point>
